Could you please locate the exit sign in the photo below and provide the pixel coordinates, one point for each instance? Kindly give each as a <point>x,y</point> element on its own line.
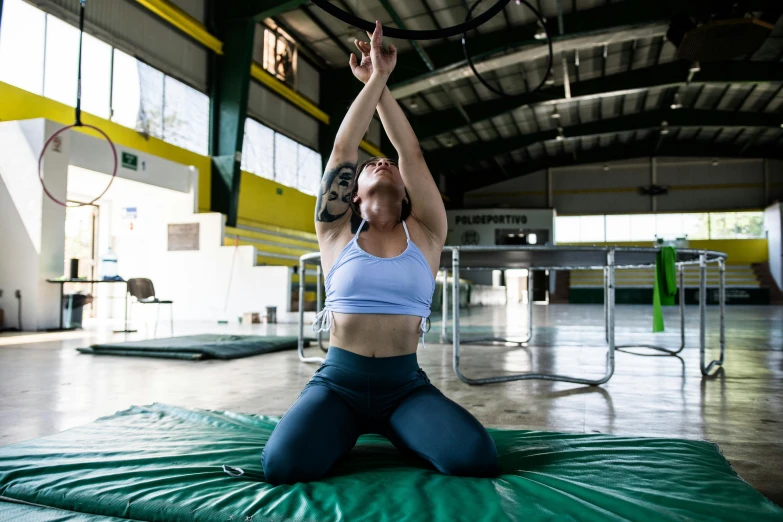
<point>130,161</point>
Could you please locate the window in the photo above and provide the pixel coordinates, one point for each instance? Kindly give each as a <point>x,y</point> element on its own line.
<point>150,102</point>
<point>592,229</point>
<point>695,226</point>
<point>40,53</point>
<point>96,76</point>
<point>125,90</point>
<point>668,226</point>
<point>62,61</point>
<point>274,156</point>
<point>736,225</point>
<point>22,46</point>
<point>618,228</point>
<point>642,227</point>
<point>279,57</point>
<point>185,116</point>
<point>285,160</point>
<point>150,117</point>
<point>258,149</point>
<point>648,227</point>
<point>567,229</point>
<point>309,171</point>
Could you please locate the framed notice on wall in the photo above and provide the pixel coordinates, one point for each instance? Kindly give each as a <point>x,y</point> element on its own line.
<point>183,237</point>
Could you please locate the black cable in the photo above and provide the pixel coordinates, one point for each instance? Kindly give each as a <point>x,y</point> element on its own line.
<point>78,120</point>
<point>407,34</point>
<point>19,298</point>
<point>483,81</point>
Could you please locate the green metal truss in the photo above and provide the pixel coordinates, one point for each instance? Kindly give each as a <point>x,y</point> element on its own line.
<point>234,23</point>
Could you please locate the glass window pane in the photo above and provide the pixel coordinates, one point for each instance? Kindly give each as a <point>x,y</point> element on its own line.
<point>126,97</point>
<point>22,46</point>
<point>62,59</point>
<point>309,171</point>
<point>96,76</point>
<point>150,119</point>
<point>592,229</point>
<point>185,116</point>
<point>696,226</point>
<point>668,226</point>
<point>567,229</point>
<point>285,160</point>
<point>736,225</point>
<point>618,228</point>
<point>642,227</point>
<point>269,51</point>
<point>258,152</point>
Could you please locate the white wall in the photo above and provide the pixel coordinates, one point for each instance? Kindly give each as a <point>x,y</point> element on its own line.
<point>773,222</point>
<point>93,153</point>
<point>197,281</point>
<point>32,233</point>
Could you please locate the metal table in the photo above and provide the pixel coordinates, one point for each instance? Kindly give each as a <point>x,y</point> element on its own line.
<point>534,257</point>
<point>62,283</point>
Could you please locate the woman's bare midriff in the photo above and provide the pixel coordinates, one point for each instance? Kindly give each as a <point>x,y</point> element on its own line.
<point>374,335</point>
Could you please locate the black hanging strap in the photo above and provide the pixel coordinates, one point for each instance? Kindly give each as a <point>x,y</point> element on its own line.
<point>78,120</point>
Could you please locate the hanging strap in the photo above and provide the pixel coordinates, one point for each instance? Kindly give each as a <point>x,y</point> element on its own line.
<point>356,236</point>
<point>78,115</point>
<point>407,235</point>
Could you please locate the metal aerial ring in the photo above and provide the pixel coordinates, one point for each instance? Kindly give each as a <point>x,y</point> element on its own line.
<point>43,152</point>
<point>487,84</point>
<point>407,34</point>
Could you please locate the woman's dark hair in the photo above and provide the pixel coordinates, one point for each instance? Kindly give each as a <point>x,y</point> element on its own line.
<point>406,205</point>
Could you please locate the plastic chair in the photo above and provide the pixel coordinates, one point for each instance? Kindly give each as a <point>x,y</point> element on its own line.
<point>143,290</point>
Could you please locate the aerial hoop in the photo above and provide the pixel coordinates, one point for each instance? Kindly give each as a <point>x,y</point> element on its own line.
<point>77,123</point>
<point>46,146</point>
<point>487,84</point>
<point>407,34</point>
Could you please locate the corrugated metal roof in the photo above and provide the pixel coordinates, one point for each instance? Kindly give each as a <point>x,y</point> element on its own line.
<point>626,50</point>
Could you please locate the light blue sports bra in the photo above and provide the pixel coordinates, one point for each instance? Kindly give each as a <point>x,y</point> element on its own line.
<point>360,283</point>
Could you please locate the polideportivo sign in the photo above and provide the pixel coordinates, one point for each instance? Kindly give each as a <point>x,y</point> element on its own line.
<point>491,219</point>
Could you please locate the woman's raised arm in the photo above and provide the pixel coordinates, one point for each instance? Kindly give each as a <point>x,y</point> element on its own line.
<point>339,177</point>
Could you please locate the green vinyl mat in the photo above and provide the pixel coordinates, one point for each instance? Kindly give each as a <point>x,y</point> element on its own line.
<point>197,347</point>
<point>27,513</point>
<point>163,463</point>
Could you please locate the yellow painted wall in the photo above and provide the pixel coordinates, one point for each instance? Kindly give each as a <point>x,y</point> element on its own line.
<point>258,197</point>
<point>259,201</point>
<point>18,104</point>
<point>740,251</point>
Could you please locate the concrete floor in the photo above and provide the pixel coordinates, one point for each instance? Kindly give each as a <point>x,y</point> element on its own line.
<point>46,386</point>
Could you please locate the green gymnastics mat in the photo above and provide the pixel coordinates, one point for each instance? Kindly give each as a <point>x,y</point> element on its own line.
<point>197,347</point>
<point>163,463</point>
<point>27,513</point>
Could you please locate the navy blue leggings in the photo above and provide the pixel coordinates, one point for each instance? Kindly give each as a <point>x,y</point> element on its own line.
<point>351,395</point>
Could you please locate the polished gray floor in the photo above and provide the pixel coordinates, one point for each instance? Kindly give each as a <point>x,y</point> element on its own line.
<point>46,386</point>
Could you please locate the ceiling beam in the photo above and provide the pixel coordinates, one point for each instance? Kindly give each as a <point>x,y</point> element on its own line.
<point>449,54</point>
<point>621,151</point>
<point>260,9</point>
<point>668,74</point>
<point>325,29</point>
<point>452,159</point>
<point>532,50</point>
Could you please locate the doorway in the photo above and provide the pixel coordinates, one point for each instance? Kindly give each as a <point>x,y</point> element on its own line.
<point>81,229</point>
